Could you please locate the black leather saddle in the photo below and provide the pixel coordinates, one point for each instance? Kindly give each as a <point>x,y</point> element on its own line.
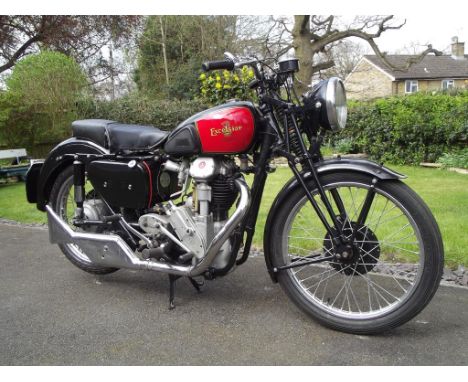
<point>119,136</point>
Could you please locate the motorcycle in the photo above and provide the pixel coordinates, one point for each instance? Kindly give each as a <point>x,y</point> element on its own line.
<point>177,202</point>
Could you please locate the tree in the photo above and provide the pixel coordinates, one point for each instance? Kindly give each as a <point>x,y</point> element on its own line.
<point>81,37</point>
<point>314,36</point>
<point>41,98</point>
<point>262,36</point>
<point>172,48</point>
<point>345,54</point>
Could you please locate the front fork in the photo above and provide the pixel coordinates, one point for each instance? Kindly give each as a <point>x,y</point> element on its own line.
<point>343,244</point>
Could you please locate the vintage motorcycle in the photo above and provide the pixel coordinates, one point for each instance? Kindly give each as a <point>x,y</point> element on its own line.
<point>347,240</point>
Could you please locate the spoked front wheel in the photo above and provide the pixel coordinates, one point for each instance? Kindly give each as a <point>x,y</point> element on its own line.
<point>387,274</point>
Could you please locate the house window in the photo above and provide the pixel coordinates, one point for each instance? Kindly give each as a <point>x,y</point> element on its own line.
<point>411,86</point>
<point>448,84</point>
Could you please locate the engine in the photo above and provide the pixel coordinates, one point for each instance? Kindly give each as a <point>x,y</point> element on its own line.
<point>193,224</point>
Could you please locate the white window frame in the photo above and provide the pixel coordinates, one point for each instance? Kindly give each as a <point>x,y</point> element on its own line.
<point>447,80</point>
<point>411,83</point>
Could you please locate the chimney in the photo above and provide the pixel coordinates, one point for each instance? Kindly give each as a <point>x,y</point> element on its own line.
<point>458,49</point>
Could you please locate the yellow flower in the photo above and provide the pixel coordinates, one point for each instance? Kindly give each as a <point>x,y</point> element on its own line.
<point>235,78</point>
<point>227,86</point>
<point>202,76</point>
<point>218,85</point>
<point>218,78</point>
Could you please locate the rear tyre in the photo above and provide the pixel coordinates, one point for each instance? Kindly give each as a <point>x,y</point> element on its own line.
<point>396,262</point>
<point>61,199</point>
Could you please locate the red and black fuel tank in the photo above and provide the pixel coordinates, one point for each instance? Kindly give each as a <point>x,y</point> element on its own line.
<point>225,129</point>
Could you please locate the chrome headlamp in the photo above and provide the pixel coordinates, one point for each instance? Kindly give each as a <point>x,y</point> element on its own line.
<point>328,98</point>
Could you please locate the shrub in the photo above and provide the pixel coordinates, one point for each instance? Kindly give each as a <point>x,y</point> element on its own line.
<point>345,146</point>
<point>410,129</point>
<point>141,110</point>
<point>455,159</point>
<point>40,100</point>
<point>220,86</point>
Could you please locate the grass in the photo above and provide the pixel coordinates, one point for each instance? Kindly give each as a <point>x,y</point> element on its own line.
<point>445,192</point>
<point>14,206</point>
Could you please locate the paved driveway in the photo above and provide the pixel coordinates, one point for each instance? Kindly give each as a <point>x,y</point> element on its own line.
<point>52,313</point>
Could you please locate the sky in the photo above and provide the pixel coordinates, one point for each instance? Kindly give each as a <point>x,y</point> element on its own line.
<point>427,21</point>
<point>435,29</point>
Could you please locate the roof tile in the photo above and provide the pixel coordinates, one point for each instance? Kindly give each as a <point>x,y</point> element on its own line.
<point>430,67</point>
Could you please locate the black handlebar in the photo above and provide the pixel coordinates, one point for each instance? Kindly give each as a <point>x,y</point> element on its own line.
<point>215,65</point>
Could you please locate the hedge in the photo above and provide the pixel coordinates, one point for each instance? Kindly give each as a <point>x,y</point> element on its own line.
<point>409,129</point>
<point>402,130</point>
<point>163,114</point>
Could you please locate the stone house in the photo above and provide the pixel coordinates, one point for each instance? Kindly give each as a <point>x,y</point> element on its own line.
<point>371,78</point>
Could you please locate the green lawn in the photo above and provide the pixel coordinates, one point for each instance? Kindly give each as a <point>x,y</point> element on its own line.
<point>445,192</point>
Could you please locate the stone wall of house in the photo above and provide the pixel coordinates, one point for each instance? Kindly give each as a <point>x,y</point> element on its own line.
<point>367,82</point>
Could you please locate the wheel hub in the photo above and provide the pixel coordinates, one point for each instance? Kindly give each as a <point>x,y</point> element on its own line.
<point>358,257</point>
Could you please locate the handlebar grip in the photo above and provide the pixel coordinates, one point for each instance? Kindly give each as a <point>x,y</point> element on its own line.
<point>215,65</point>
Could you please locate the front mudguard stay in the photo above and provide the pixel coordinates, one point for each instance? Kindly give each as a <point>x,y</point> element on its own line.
<point>361,166</point>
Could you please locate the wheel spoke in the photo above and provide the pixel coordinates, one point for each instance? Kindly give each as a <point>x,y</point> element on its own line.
<point>365,285</point>
<point>309,238</point>
<point>334,274</point>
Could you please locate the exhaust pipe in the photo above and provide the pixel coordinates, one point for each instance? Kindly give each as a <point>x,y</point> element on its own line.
<point>113,251</point>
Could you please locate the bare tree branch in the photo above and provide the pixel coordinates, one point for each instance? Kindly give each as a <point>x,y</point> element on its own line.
<point>323,65</point>
<point>20,52</point>
<point>79,36</point>
<point>315,36</point>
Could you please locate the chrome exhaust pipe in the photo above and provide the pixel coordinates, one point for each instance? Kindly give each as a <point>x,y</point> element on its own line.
<point>113,251</point>
<point>104,250</point>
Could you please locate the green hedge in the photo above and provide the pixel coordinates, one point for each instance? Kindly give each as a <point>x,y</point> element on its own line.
<point>410,129</point>
<point>405,130</point>
<point>163,114</point>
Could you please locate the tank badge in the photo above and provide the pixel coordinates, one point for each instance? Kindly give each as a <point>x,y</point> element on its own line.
<point>226,129</point>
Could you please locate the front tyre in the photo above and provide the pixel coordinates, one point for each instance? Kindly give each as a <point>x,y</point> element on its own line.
<point>61,200</point>
<point>390,275</point>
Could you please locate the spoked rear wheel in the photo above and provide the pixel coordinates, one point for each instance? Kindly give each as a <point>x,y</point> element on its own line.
<point>386,276</point>
<point>61,199</point>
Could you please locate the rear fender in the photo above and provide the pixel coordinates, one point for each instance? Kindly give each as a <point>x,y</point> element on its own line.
<point>56,162</point>
<point>323,167</point>
<point>32,177</point>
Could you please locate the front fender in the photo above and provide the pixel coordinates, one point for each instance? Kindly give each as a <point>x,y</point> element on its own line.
<point>323,167</point>
<point>56,162</point>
